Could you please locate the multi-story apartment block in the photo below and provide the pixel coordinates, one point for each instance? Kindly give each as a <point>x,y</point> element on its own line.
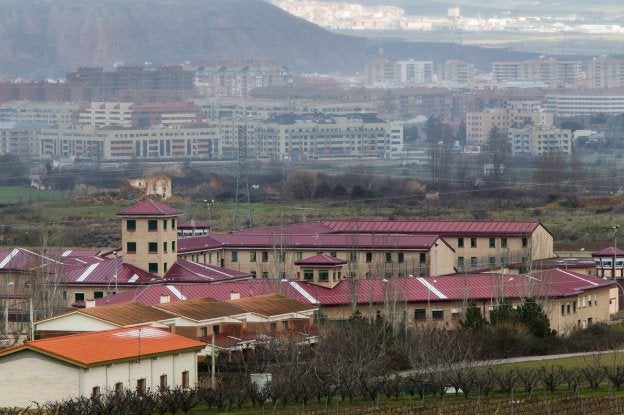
<point>319,136</point>
<point>102,85</point>
<point>605,73</point>
<point>479,124</point>
<point>538,140</point>
<point>455,71</point>
<point>237,79</point>
<point>125,114</point>
<point>20,139</point>
<point>555,73</point>
<point>260,109</point>
<point>385,73</point>
<point>585,102</point>
<point>39,112</point>
<point>106,114</point>
<point>119,144</point>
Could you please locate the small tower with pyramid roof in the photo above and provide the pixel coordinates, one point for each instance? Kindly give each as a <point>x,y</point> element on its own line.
<point>149,236</point>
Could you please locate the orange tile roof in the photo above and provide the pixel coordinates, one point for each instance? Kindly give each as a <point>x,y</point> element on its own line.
<point>103,347</point>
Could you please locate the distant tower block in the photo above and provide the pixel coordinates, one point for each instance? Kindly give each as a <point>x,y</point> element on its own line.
<point>453,12</point>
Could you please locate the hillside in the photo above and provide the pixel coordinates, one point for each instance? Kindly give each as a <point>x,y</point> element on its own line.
<point>41,39</point>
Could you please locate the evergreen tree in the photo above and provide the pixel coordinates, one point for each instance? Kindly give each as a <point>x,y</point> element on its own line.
<point>474,320</point>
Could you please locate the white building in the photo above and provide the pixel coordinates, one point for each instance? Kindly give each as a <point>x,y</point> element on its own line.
<point>585,102</point>
<point>538,140</point>
<point>90,364</point>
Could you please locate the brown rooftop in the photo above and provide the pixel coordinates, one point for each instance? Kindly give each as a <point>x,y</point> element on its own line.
<point>201,309</point>
<point>127,314</point>
<point>271,305</point>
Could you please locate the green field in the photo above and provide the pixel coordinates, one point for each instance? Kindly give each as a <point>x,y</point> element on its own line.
<point>26,195</point>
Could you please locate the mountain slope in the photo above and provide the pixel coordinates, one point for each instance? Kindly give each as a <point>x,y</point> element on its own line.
<point>45,38</point>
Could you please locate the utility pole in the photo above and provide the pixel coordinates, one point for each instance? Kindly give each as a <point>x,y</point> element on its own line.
<point>615,231</point>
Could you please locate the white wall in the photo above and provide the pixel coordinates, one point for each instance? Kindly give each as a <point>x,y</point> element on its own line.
<point>27,377</point>
<point>74,322</point>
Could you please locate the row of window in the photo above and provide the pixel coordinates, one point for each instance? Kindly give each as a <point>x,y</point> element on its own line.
<point>491,242</point>
<point>152,247</point>
<point>420,314</point>
<point>141,385</point>
<point>491,261</point>
<point>152,224</point>
<point>389,256</point>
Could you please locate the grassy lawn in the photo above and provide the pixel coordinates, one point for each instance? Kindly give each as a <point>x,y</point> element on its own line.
<point>26,194</point>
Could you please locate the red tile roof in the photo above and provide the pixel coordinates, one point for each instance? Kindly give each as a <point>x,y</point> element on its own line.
<point>416,227</point>
<point>103,273</point>
<point>549,283</point>
<point>103,347</point>
<point>322,260</point>
<point>149,207</point>
<point>192,272</point>
<point>193,224</point>
<point>608,252</point>
<point>433,227</point>
<point>307,241</point>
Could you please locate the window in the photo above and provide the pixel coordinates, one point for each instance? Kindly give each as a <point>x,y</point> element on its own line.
<point>503,242</point>
<point>525,242</point>
<point>131,247</point>
<point>503,261</point>
<point>308,275</point>
<point>420,314</point>
<point>265,256</point>
<point>401,257</point>
<point>95,392</point>
<point>165,246</point>
<point>473,261</point>
<point>369,257</point>
<point>323,275</point>
<point>185,379</point>
<point>568,308</point>
<point>98,294</point>
<point>165,267</point>
<point>423,257</point>
<point>152,225</point>
<point>460,261</point>
<point>118,387</point>
<point>282,256</point>
<point>131,225</point>
<point>460,242</point>
<point>140,386</point>
<point>299,255</point>
<point>254,274</point>
<point>163,381</point>
<point>152,267</point>
<point>473,242</point>
<point>173,243</point>
<point>265,274</point>
<point>173,224</point>
<point>165,224</point>
<point>562,309</point>
<point>492,243</point>
<point>78,297</point>
<point>252,256</point>
<point>574,306</point>
<point>492,261</point>
<point>388,256</point>
<point>152,247</point>
<point>285,325</point>
<point>437,314</point>
<point>234,256</point>
<point>332,253</point>
<point>455,314</point>
<point>352,256</point>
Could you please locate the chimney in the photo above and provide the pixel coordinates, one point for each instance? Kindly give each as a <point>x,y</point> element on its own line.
<point>234,295</point>
<point>89,303</point>
<point>164,298</point>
